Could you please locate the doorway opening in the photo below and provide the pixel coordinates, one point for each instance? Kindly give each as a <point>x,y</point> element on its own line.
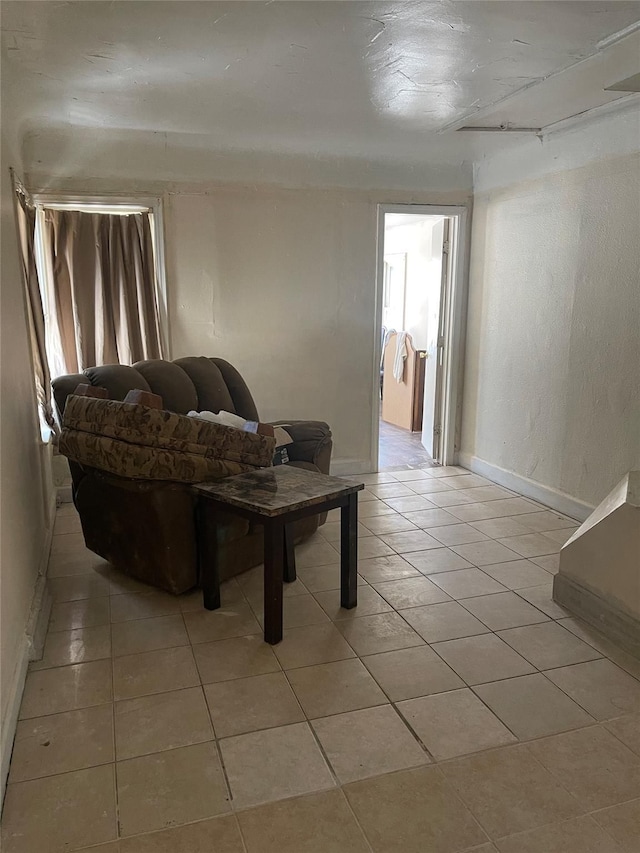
<point>421,251</point>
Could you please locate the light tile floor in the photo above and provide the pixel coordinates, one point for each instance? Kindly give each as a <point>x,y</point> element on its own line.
<point>457,708</point>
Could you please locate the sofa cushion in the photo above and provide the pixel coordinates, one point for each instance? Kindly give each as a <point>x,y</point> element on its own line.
<point>134,441</point>
<point>242,399</point>
<point>118,379</point>
<point>171,382</point>
<point>213,394</point>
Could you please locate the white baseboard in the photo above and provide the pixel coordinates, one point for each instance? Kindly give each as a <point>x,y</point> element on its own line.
<point>31,646</point>
<point>65,494</point>
<point>39,618</point>
<point>596,609</point>
<point>344,467</point>
<point>10,720</point>
<point>546,495</point>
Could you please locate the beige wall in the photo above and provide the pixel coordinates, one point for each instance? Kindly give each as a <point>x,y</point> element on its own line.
<point>24,495</point>
<point>553,348</point>
<point>282,284</point>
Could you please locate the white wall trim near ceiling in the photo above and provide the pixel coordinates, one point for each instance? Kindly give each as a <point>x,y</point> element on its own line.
<point>609,135</point>
<point>621,105</point>
<point>614,38</point>
<point>545,495</point>
<point>545,83</point>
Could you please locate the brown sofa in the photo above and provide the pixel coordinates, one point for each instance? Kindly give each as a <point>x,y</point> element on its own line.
<point>155,530</point>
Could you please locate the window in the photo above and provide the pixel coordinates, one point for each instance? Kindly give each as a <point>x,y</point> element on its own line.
<point>101,270</point>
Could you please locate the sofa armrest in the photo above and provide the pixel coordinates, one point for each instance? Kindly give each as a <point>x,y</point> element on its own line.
<point>312,442</point>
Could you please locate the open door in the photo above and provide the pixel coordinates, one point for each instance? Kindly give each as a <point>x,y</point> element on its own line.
<point>432,405</point>
<point>441,274</point>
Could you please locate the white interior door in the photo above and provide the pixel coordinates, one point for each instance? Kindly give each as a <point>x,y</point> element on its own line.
<point>431,426</point>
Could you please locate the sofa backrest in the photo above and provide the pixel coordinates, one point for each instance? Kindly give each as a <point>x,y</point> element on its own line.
<point>195,382</point>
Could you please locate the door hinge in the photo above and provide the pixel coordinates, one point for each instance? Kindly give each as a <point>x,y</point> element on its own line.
<point>445,247</point>
<point>437,430</point>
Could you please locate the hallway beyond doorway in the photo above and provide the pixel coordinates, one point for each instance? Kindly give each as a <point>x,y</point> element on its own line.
<point>399,448</point>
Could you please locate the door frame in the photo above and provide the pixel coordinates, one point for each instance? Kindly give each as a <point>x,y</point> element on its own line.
<point>455,300</point>
<point>445,275</point>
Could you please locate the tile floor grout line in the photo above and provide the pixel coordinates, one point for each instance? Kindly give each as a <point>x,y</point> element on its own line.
<point>113,735</point>
<point>432,759</point>
<point>597,725</point>
<point>542,826</point>
<point>217,746</point>
<point>555,777</point>
<point>390,702</point>
<point>64,772</point>
<point>431,646</point>
<point>462,802</point>
<point>363,832</point>
<point>602,723</point>
<point>493,630</point>
<point>591,724</point>
<point>494,713</point>
<point>325,757</point>
<point>615,805</point>
<point>492,838</point>
<point>243,840</point>
<point>604,657</point>
<point>147,833</point>
<point>115,763</point>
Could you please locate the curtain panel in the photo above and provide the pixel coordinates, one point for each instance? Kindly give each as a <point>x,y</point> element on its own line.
<point>102,271</point>
<point>26,217</point>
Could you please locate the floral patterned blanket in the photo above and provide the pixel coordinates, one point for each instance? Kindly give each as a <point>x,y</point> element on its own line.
<point>135,441</point>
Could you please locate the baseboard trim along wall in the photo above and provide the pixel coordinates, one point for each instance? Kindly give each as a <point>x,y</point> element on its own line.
<point>65,494</point>
<point>553,498</point>
<point>39,618</point>
<point>609,619</point>
<point>344,467</point>
<point>10,720</point>
<point>31,647</point>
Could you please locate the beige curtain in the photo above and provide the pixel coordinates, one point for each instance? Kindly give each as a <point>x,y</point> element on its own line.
<point>26,215</point>
<point>103,276</point>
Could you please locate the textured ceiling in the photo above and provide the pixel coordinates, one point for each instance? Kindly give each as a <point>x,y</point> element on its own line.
<point>357,79</point>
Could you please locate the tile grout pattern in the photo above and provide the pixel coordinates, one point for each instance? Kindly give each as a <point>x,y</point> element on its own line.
<point>170,725</point>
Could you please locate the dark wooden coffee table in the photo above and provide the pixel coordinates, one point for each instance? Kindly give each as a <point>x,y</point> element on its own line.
<point>276,497</point>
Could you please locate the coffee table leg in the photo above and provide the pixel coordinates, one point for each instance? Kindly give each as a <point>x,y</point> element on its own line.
<point>208,557</point>
<point>273,577</point>
<point>349,552</point>
<point>289,555</point>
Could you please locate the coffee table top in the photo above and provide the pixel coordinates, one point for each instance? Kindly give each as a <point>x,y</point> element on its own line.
<point>278,490</point>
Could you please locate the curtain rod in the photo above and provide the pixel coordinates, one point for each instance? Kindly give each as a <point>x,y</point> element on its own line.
<point>95,207</point>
